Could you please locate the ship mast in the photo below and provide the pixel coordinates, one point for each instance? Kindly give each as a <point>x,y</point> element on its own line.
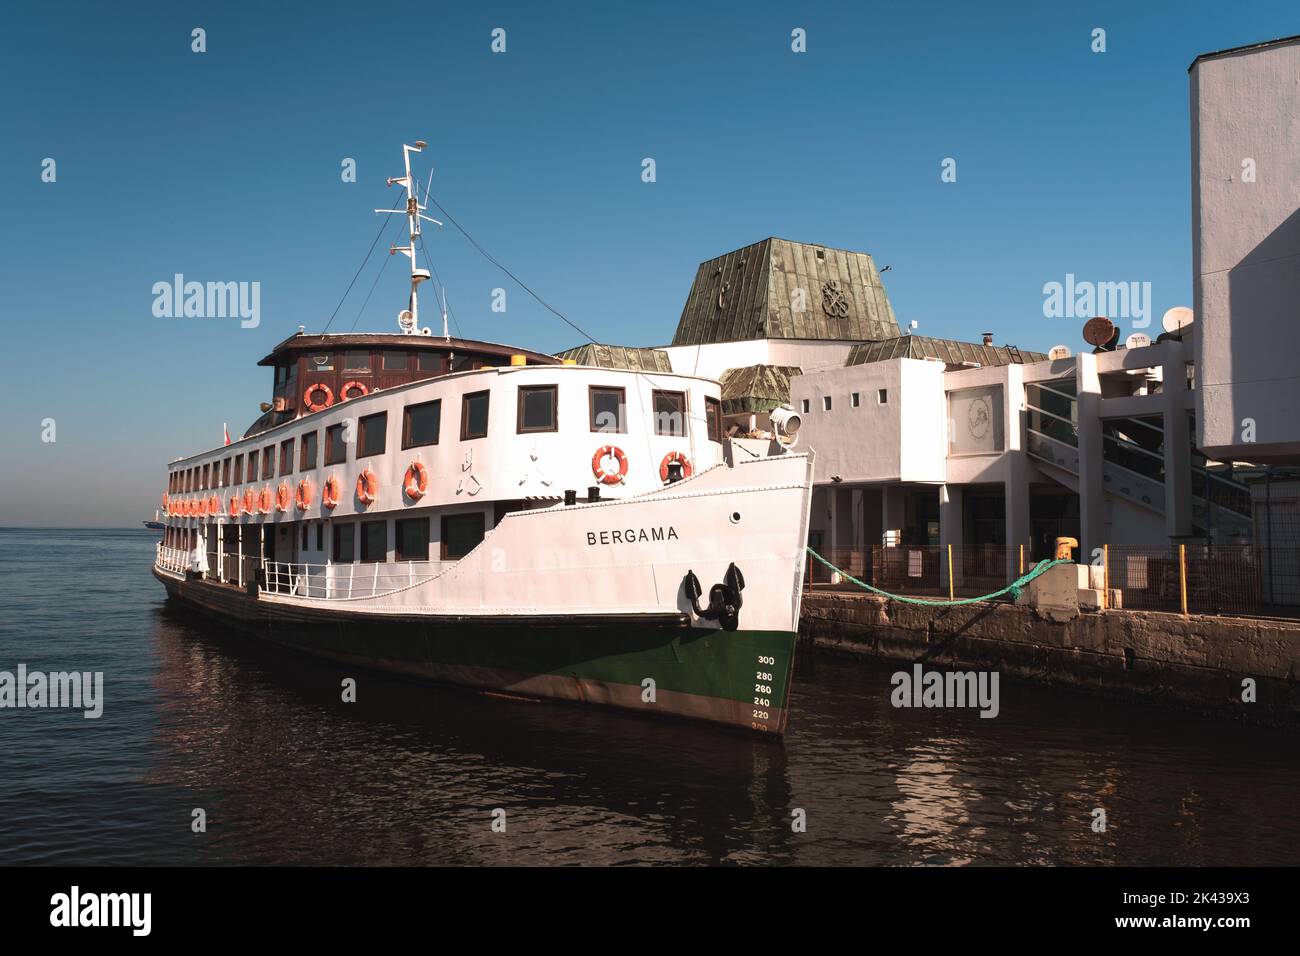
<point>409,318</point>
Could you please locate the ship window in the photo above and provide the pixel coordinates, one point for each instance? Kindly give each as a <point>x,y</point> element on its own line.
<point>804,405</point>
<point>396,361</point>
<point>461,362</point>
<point>421,423</point>
<point>537,408</point>
<point>281,374</point>
<point>474,416</point>
<point>305,529</point>
<point>713,417</point>
<point>608,409</point>
<point>430,362</point>
<point>373,429</point>
<point>882,396</point>
<point>670,413</point>
<point>336,446</point>
<point>344,546</point>
<point>286,457</point>
<point>826,403</point>
<point>374,541</point>
<point>413,539</point>
<point>855,399</point>
<point>268,462</point>
<point>307,456</point>
<point>461,534</point>
<point>225,472</point>
<point>252,467</point>
<point>320,535</point>
<point>356,360</point>
<point>321,363</point>
<point>203,482</point>
<point>239,469</point>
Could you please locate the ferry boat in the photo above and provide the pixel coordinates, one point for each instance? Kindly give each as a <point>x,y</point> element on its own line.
<point>470,513</point>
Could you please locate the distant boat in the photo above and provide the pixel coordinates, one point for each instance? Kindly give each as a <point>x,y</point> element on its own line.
<point>155,526</point>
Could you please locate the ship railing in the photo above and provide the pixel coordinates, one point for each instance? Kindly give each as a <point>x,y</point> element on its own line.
<point>175,560</point>
<point>343,582</point>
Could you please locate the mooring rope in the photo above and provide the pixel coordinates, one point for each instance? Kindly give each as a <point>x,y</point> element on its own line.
<point>1014,588</point>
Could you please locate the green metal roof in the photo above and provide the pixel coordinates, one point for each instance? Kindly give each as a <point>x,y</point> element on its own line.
<point>946,350</point>
<point>756,388</point>
<point>619,356</point>
<point>777,289</point>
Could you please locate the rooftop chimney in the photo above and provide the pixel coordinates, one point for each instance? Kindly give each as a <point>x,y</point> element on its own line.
<point>988,338</point>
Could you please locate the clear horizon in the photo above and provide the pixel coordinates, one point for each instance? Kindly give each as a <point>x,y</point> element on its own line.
<point>226,166</point>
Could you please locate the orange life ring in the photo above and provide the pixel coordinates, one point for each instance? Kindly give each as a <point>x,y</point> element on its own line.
<point>214,505</point>
<point>250,501</point>
<point>318,406</point>
<point>417,480</point>
<point>671,457</point>
<point>264,500</point>
<point>598,465</point>
<point>329,493</point>
<point>234,506</point>
<point>367,487</point>
<point>282,497</point>
<point>164,501</point>
<point>201,508</point>
<point>302,497</point>
<point>348,386</point>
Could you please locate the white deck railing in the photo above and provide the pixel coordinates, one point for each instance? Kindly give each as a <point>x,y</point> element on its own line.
<point>342,582</point>
<point>174,560</point>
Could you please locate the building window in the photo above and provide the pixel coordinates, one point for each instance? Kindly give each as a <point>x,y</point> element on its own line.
<point>286,456</point>
<point>356,361</point>
<point>669,413</point>
<point>307,457</point>
<point>373,432</point>
<point>882,396</point>
<point>474,416</point>
<point>413,539</point>
<point>826,403</point>
<point>804,406</point>
<point>855,399</point>
<point>430,362</point>
<point>374,541</point>
<point>421,424</point>
<point>608,409</point>
<point>713,418</point>
<point>336,447</point>
<point>268,462</point>
<point>537,408</point>
<point>396,361</point>
<point>344,544</point>
<point>461,534</point>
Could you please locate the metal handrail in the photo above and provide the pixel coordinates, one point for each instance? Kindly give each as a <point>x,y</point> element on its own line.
<point>342,582</point>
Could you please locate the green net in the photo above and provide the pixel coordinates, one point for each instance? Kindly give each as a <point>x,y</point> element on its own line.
<point>1013,589</point>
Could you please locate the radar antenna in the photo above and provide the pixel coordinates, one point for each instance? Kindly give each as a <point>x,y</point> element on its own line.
<point>409,318</point>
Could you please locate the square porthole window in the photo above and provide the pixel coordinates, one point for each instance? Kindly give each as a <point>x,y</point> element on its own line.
<point>882,396</point>
<point>826,403</point>
<point>856,399</point>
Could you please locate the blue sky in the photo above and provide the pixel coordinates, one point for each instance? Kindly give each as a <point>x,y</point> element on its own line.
<point>225,166</point>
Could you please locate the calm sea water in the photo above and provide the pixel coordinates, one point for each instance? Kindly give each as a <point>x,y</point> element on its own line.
<point>411,774</point>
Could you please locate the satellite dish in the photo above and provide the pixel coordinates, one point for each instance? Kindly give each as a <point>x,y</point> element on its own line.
<point>1099,331</point>
<point>1138,340</point>
<point>1058,352</point>
<point>1177,319</point>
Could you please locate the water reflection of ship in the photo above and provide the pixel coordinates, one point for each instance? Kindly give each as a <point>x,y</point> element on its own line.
<point>287,773</point>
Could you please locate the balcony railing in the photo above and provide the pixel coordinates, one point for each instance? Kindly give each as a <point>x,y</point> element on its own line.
<point>344,582</point>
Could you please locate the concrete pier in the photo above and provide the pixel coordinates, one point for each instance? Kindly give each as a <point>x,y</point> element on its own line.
<point>1198,662</point>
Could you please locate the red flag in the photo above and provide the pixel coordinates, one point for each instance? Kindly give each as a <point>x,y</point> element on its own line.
<point>226,430</point>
